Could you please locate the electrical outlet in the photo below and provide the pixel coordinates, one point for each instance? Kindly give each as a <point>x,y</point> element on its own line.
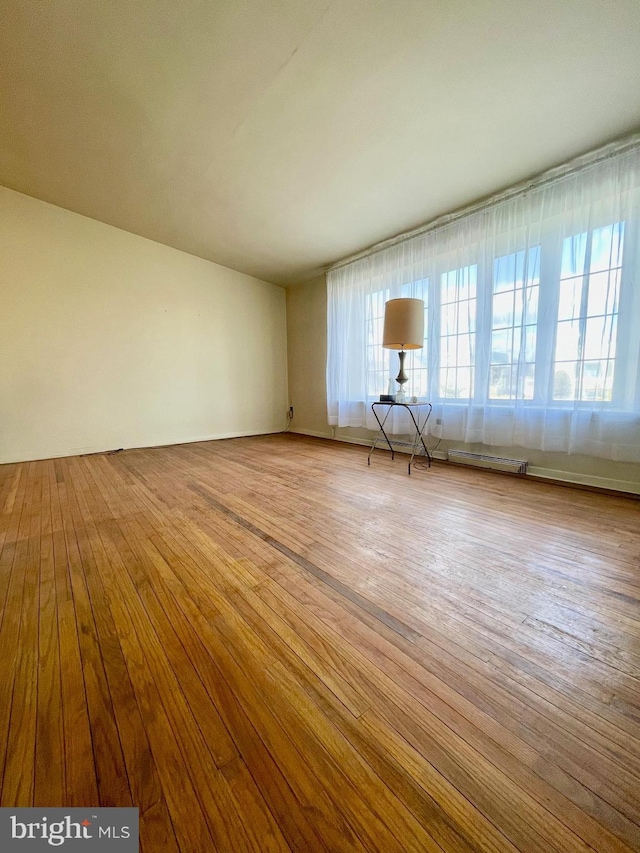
<point>438,421</point>
<point>291,411</point>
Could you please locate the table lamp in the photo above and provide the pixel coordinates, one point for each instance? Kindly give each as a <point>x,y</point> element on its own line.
<point>403,330</point>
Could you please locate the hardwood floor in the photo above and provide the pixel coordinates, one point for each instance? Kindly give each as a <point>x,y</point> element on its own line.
<point>266,645</point>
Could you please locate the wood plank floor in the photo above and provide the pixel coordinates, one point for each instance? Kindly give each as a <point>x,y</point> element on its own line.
<point>266,645</point>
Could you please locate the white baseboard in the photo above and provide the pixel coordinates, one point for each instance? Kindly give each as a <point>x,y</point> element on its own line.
<point>314,433</point>
<point>84,451</point>
<point>585,480</point>
<point>534,472</point>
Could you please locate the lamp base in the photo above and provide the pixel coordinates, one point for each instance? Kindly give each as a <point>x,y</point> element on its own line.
<point>402,377</point>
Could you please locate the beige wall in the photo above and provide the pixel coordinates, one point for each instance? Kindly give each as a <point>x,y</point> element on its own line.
<point>307,347</point>
<point>109,340</point>
<point>307,356</point>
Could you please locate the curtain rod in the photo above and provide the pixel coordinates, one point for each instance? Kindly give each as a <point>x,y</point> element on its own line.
<point>556,173</point>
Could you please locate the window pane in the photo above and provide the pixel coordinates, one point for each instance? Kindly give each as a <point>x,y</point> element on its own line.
<point>465,357</point>
<point>419,386</point>
<point>377,304</point>
<point>504,273</point>
<point>568,341</point>
<point>607,380</point>
<point>448,382</point>
<point>574,253</point>
<point>508,382</point>
<point>375,384</point>
<point>377,358</point>
<point>458,320</point>
<point>466,317</point>
<point>500,382</point>
<point>450,319</point>
<point>449,287</point>
<point>526,382</point>
<point>606,247</point>
<point>570,299</point>
<point>456,382</point>
<point>517,337</point>
<point>501,341</point>
<point>588,310</point>
<point>422,357</point>
<point>530,334</point>
<point>515,301</point>
<point>597,380</point>
<point>448,351</point>
<point>374,332</point>
<point>382,364</point>
<point>603,292</point>
<point>464,382</point>
<point>518,270</point>
<point>564,385</point>
<point>517,307</point>
<point>468,282</point>
<point>600,338</point>
<point>503,310</point>
<point>531,304</point>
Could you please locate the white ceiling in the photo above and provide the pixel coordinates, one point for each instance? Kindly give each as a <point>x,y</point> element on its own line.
<point>277,136</point>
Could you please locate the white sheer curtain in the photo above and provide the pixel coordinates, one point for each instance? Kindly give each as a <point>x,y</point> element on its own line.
<point>532,332</point>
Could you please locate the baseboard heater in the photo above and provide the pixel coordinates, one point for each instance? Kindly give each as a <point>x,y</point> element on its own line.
<point>495,463</point>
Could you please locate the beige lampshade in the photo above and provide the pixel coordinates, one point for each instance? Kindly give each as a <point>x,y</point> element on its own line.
<point>403,324</point>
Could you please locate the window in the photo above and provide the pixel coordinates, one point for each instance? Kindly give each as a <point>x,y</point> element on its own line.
<point>382,364</point>
<point>377,358</point>
<point>516,290</point>
<point>532,330</point>
<point>586,333</point>
<point>457,331</point>
<point>584,350</point>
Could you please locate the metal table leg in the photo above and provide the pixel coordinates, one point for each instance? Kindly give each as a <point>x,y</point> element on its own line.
<point>381,430</point>
<point>419,435</point>
<point>419,429</point>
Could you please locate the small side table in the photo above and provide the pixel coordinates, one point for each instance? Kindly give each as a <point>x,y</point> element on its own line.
<point>419,424</point>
